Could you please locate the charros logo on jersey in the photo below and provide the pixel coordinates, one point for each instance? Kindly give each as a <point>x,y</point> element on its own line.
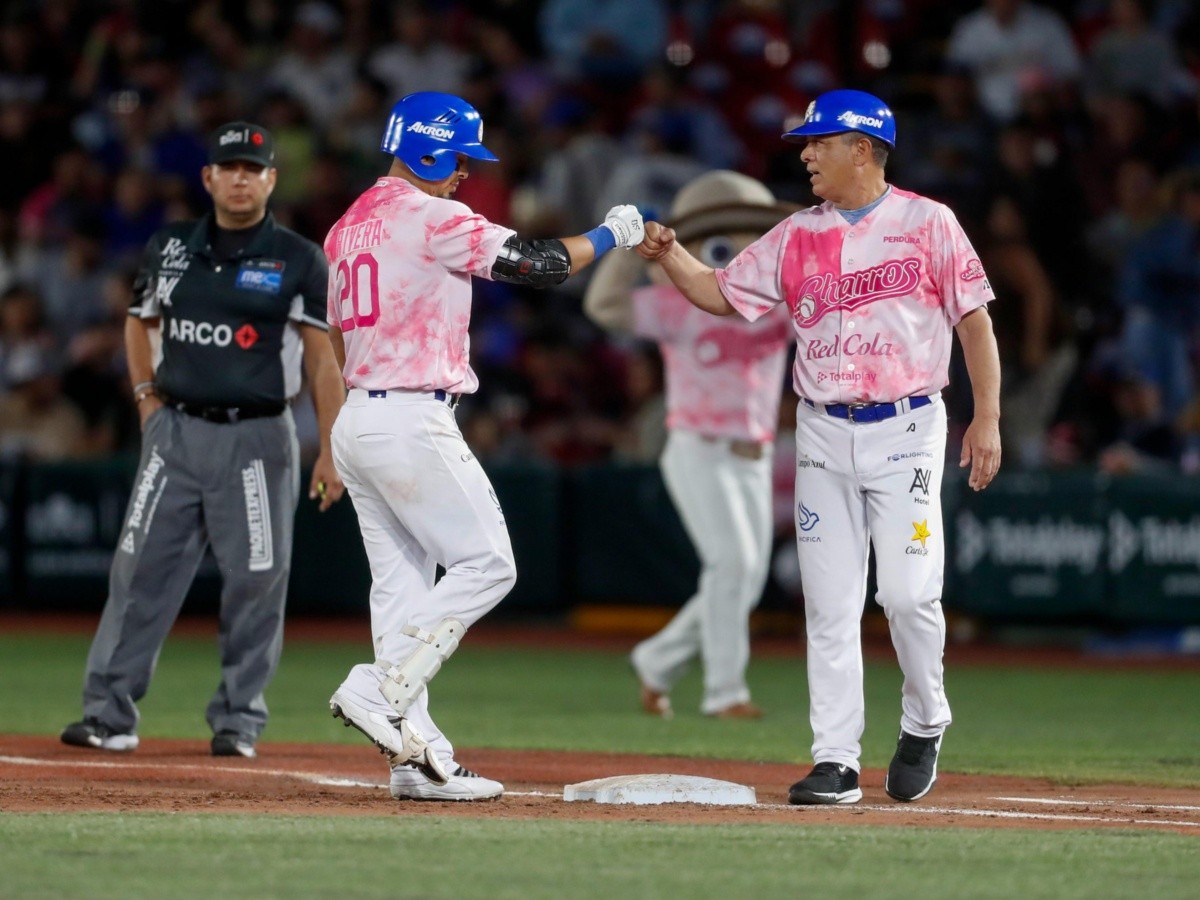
<point>824,292</point>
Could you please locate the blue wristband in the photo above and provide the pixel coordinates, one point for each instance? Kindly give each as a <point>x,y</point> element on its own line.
<point>602,239</point>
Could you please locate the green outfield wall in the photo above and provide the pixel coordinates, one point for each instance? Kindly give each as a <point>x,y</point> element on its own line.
<point>1066,547</point>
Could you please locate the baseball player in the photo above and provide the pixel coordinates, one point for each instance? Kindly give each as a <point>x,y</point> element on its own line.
<point>875,279</point>
<point>235,301</point>
<point>723,389</point>
<point>401,262</point>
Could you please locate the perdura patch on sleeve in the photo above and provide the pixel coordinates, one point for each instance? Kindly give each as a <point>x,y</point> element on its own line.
<point>265,275</point>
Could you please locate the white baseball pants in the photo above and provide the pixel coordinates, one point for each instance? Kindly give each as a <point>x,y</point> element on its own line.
<point>724,501</point>
<point>422,500</point>
<point>859,485</point>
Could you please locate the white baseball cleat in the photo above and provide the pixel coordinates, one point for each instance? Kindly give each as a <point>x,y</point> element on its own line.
<point>392,734</point>
<point>409,784</point>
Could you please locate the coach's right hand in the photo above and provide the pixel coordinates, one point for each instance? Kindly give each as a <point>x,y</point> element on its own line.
<point>658,241</point>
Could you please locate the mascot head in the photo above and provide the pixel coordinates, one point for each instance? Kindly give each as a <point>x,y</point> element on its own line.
<point>720,213</point>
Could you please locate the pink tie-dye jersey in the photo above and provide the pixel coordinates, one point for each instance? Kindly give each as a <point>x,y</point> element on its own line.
<point>400,268</point>
<point>724,374</point>
<point>872,304</point>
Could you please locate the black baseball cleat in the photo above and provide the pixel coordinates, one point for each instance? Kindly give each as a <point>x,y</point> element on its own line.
<point>827,783</point>
<point>95,734</point>
<point>913,770</point>
<point>230,743</point>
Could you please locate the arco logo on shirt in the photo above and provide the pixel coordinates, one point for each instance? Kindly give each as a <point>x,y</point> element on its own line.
<point>246,336</point>
<point>206,334</point>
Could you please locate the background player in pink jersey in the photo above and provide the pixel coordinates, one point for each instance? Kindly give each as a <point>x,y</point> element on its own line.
<point>723,380</point>
<point>401,261</point>
<point>875,279</point>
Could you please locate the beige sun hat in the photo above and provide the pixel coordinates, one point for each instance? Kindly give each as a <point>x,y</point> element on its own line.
<point>722,201</point>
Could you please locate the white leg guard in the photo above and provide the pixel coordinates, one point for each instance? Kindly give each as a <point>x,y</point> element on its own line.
<point>406,680</point>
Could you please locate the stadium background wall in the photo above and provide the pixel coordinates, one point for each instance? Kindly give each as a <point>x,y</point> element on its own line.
<point>1039,548</point>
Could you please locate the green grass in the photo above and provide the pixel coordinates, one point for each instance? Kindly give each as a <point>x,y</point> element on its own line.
<point>158,855</point>
<point>1071,725</point>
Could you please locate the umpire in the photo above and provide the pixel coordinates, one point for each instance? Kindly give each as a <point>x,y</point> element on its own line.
<point>224,311</point>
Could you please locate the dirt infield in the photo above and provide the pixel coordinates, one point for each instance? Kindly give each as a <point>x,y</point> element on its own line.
<point>40,774</point>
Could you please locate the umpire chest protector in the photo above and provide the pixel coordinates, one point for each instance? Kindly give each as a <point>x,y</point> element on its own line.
<point>230,326</point>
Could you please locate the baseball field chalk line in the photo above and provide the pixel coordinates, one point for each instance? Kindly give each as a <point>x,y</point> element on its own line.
<point>330,781</point>
<point>1008,814</point>
<point>324,780</point>
<point>1119,803</point>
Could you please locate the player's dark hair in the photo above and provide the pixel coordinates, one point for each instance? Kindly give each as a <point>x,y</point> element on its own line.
<point>879,150</point>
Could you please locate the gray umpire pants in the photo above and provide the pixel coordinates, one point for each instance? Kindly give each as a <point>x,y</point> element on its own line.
<point>234,487</point>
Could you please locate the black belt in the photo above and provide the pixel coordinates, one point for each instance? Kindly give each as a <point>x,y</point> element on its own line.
<point>868,412</point>
<point>227,415</point>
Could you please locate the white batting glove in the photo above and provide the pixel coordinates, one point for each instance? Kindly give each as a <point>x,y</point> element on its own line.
<point>625,222</point>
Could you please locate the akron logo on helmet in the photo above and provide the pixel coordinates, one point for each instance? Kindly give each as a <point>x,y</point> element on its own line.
<point>855,119</point>
<point>433,131</point>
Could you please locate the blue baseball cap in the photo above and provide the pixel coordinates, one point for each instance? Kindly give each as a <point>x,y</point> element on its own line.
<point>836,112</point>
<point>427,130</point>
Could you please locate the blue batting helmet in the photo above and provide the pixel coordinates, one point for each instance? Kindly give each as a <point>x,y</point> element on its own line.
<point>427,130</point>
<point>837,111</point>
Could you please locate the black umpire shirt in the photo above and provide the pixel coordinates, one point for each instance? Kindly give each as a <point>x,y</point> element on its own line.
<point>230,334</point>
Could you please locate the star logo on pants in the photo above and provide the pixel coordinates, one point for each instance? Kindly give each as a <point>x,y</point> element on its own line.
<point>920,531</point>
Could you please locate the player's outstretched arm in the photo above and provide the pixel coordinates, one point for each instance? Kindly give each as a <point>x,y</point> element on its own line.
<point>695,280</point>
<point>541,263</point>
<point>981,442</point>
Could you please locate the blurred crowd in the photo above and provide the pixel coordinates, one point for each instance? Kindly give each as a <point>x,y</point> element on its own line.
<point>1065,135</point>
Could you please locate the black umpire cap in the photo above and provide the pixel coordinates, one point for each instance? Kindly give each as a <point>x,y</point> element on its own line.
<point>241,140</point>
